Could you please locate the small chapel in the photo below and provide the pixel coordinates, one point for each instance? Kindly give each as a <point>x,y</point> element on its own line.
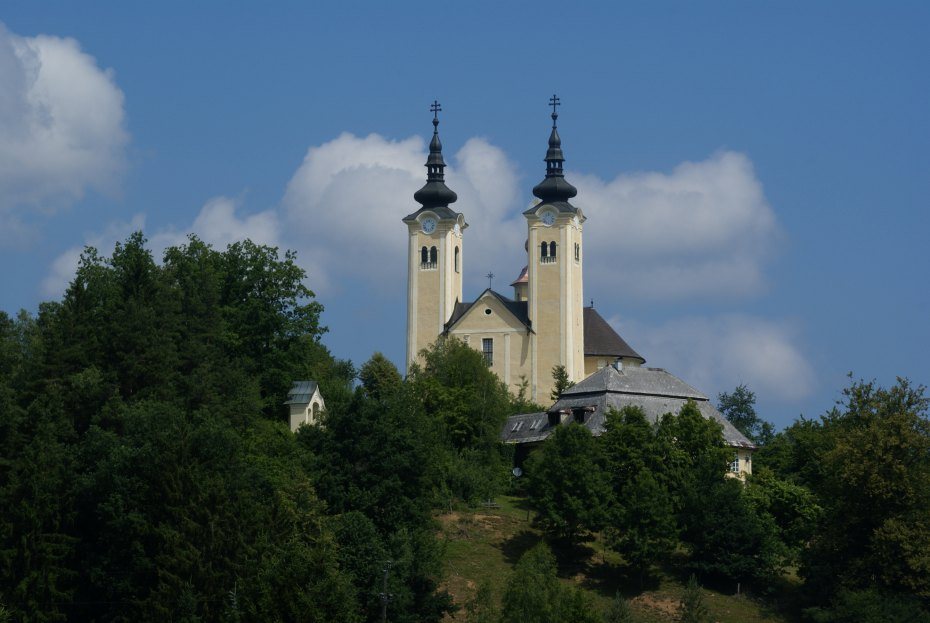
<point>544,323</point>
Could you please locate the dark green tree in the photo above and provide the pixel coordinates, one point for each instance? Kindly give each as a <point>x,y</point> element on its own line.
<point>739,407</point>
<point>566,486</point>
<point>561,380</point>
<point>379,377</point>
<point>875,487</point>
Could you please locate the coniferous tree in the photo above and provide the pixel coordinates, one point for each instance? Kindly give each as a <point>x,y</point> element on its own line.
<point>693,609</point>
<point>619,611</point>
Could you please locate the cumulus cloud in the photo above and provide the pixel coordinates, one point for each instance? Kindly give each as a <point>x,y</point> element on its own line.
<point>705,229</point>
<point>217,223</point>
<point>345,201</point>
<point>62,125</point>
<point>717,354</point>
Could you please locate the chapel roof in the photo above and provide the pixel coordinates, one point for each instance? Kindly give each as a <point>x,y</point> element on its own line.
<point>600,339</point>
<point>300,392</point>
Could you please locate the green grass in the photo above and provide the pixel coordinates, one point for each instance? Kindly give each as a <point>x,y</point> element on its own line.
<point>484,544</point>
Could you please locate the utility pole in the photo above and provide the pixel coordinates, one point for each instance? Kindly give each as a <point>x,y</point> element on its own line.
<point>385,596</point>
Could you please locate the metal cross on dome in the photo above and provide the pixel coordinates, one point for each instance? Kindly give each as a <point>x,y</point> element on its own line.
<point>435,108</point>
<point>555,102</point>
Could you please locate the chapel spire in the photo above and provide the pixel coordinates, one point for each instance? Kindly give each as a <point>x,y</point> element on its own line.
<point>435,193</point>
<point>554,188</point>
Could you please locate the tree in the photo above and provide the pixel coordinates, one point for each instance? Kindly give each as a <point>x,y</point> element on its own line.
<point>693,609</point>
<point>534,595</point>
<point>729,539</point>
<point>531,595</point>
<point>379,377</point>
<point>644,531</point>
<point>739,408</point>
<point>619,611</point>
<point>642,523</point>
<point>561,380</point>
<point>566,486</point>
<point>875,487</point>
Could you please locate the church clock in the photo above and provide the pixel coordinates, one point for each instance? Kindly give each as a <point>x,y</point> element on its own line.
<point>428,224</point>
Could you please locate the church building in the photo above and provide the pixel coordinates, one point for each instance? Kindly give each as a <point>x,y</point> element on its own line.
<point>545,323</point>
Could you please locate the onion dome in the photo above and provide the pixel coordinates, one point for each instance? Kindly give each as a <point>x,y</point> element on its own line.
<point>435,193</point>
<point>554,188</point>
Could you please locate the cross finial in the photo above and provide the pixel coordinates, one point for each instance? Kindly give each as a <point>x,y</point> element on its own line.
<point>555,102</point>
<point>435,108</point>
<point>490,277</point>
<point>592,303</point>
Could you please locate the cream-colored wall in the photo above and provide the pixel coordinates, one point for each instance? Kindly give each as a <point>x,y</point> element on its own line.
<point>511,340</point>
<point>555,302</point>
<point>307,412</point>
<point>593,364</point>
<point>745,464</point>
<point>432,292</point>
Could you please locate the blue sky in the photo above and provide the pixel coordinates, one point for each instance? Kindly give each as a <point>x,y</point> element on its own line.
<point>755,175</point>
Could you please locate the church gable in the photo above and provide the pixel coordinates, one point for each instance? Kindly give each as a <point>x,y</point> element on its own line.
<point>492,312</point>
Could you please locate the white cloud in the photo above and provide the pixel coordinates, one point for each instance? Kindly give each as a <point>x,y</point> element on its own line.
<point>717,354</point>
<point>62,124</point>
<point>704,230</point>
<point>216,224</point>
<point>345,202</point>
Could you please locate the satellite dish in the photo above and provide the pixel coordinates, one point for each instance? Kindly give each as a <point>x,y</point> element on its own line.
<point>517,472</point>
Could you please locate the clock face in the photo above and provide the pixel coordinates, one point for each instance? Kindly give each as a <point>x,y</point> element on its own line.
<point>548,218</point>
<point>428,224</point>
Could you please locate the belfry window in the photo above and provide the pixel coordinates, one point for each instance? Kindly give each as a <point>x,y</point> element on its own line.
<point>487,348</point>
<point>547,252</point>
<point>457,259</point>
<point>427,258</point>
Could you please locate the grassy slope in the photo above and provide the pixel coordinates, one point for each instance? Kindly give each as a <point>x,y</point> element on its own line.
<point>485,544</point>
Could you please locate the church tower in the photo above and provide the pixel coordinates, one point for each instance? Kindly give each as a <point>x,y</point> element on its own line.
<point>434,256</point>
<point>554,262</point>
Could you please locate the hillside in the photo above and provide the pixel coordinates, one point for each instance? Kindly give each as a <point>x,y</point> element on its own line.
<point>485,544</point>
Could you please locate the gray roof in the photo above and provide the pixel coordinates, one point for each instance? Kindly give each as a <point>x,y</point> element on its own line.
<point>654,390</point>
<point>517,308</point>
<point>301,392</point>
<point>600,339</point>
<point>443,212</point>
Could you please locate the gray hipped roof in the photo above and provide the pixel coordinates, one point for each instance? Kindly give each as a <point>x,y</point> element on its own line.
<point>301,392</point>
<point>654,390</point>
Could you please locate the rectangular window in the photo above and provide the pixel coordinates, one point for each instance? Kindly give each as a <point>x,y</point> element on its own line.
<point>487,347</point>
<point>734,466</point>
<point>577,252</point>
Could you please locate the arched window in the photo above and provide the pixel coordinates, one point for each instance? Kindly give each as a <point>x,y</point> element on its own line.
<point>543,250</point>
<point>433,255</point>
<point>424,255</point>
<point>456,259</point>
<point>315,415</point>
<point>552,249</point>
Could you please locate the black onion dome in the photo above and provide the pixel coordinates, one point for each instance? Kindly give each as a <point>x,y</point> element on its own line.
<point>435,193</point>
<point>554,188</point>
